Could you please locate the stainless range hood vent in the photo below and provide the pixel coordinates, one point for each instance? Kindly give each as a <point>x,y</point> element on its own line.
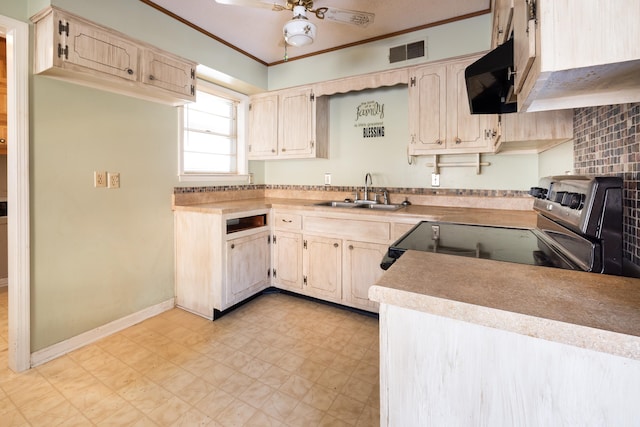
<point>406,52</point>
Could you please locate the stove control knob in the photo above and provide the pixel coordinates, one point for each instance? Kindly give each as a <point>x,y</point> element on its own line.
<point>559,196</point>
<point>576,200</point>
<point>538,192</point>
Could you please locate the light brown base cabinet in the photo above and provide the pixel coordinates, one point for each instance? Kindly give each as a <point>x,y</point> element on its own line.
<point>329,256</point>
<point>361,270</point>
<point>287,261</point>
<point>248,264</point>
<point>322,267</point>
<point>216,269</point>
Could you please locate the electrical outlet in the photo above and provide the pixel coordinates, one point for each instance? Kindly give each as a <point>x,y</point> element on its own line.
<point>113,180</point>
<point>99,179</point>
<point>435,180</point>
<point>327,179</point>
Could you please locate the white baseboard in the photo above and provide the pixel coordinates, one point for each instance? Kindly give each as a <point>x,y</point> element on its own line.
<point>56,350</point>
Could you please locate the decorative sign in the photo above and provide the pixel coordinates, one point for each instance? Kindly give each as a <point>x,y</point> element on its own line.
<point>367,111</point>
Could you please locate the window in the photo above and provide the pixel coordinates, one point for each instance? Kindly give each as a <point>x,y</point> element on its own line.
<point>212,140</point>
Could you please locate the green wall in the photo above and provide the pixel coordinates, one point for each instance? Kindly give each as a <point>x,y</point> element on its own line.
<point>98,254</point>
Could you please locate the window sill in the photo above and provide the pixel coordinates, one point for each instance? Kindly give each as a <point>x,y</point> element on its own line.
<point>237,179</point>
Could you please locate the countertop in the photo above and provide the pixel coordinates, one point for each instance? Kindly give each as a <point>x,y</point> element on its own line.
<point>503,217</point>
<point>593,311</point>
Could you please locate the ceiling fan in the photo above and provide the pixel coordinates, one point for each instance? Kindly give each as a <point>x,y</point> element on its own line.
<point>299,31</point>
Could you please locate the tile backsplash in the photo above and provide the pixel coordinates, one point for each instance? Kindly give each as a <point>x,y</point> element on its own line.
<point>607,142</point>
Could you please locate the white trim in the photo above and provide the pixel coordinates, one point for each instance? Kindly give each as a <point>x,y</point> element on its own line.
<point>46,354</point>
<point>17,35</point>
<point>242,122</point>
<point>242,179</point>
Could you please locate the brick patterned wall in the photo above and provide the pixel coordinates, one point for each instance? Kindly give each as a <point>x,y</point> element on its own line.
<point>607,142</point>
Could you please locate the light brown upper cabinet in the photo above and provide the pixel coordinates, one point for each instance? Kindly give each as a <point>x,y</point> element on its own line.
<point>288,124</point>
<point>74,49</point>
<point>527,132</point>
<point>576,53</point>
<point>440,121</point>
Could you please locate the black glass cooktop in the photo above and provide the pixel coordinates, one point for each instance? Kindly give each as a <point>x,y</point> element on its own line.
<point>522,246</point>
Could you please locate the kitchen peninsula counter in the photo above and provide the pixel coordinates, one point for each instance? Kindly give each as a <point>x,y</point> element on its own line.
<point>467,341</point>
<point>593,311</point>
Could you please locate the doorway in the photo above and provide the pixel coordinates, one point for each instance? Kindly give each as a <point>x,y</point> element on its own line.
<point>16,34</point>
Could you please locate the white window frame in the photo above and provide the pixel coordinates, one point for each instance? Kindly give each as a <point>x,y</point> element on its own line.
<point>242,167</point>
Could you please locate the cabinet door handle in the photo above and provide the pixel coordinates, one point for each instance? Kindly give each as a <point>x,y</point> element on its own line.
<point>129,71</point>
<point>350,247</point>
<point>151,77</point>
<point>439,142</point>
<point>335,245</point>
<point>2,140</point>
<point>458,140</point>
<point>233,245</point>
<point>287,220</point>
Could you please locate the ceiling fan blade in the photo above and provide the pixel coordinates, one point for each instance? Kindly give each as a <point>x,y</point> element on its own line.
<point>263,4</point>
<point>345,16</point>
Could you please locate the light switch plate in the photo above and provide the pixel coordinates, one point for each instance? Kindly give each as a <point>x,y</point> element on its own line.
<point>327,179</point>
<point>435,180</point>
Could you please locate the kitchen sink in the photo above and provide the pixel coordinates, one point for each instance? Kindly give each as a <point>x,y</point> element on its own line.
<point>372,206</point>
<point>380,207</point>
<point>335,204</point>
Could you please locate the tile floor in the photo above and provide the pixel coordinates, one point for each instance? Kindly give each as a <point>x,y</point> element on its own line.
<point>277,361</point>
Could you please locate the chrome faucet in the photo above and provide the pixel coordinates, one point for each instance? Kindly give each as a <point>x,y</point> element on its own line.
<point>367,182</point>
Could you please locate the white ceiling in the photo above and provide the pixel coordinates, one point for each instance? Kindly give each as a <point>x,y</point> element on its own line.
<point>258,32</point>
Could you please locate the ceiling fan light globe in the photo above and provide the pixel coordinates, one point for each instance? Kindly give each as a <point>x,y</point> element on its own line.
<point>299,32</point>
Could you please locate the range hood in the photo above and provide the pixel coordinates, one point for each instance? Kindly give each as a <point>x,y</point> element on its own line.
<point>490,82</point>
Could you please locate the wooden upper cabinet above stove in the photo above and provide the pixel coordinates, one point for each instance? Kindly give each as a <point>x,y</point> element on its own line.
<point>523,131</point>
<point>575,53</point>
<point>74,49</point>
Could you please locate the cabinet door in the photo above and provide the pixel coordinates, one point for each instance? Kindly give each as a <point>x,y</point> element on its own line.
<point>296,125</point>
<point>322,259</point>
<point>287,260</point>
<point>427,110</point>
<point>97,49</point>
<point>361,271</point>
<point>263,127</point>
<point>247,266</point>
<point>169,73</point>
<point>524,41</point>
<point>502,21</point>
<point>466,131</point>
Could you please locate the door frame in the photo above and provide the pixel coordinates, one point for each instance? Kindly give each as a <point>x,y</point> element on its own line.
<point>19,261</point>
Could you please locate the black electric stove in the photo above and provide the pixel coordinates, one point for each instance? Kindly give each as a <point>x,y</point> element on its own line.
<point>579,227</point>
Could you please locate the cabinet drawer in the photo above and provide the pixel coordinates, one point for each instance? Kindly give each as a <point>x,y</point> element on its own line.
<point>286,221</point>
<point>368,231</point>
